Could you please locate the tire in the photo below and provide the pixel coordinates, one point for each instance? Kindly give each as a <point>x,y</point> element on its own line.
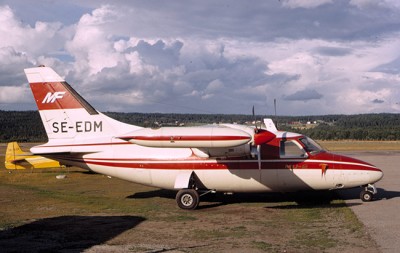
<point>188,199</point>
<point>366,196</point>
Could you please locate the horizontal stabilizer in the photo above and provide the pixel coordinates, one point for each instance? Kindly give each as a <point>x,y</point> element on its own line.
<point>17,160</point>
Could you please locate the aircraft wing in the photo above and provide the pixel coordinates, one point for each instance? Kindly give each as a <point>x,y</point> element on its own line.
<point>209,137</point>
<point>20,157</point>
<point>31,162</point>
<point>19,160</point>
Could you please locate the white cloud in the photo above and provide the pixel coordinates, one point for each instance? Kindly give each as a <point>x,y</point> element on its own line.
<point>372,4</point>
<point>135,57</point>
<point>215,85</point>
<point>12,32</point>
<point>303,95</point>
<point>91,46</point>
<point>12,94</point>
<point>35,40</point>
<point>304,3</point>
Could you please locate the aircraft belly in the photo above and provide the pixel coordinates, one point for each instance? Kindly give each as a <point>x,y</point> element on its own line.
<point>304,179</point>
<point>270,180</point>
<point>224,180</point>
<point>356,178</point>
<point>296,175</point>
<point>140,176</point>
<point>232,180</point>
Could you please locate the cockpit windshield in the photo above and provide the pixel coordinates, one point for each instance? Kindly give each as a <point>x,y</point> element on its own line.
<point>311,146</point>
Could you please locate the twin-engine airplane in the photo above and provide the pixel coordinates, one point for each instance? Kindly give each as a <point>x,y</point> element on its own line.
<point>191,160</point>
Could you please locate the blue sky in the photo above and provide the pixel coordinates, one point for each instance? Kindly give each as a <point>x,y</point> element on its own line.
<point>312,56</point>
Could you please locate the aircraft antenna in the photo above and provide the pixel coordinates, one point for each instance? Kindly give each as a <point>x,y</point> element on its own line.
<point>255,119</point>
<point>276,118</point>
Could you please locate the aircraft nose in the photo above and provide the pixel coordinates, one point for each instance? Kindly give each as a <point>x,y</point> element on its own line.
<point>376,175</point>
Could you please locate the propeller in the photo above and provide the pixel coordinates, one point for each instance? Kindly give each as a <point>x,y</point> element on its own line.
<point>255,121</point>
<point>261,136</point>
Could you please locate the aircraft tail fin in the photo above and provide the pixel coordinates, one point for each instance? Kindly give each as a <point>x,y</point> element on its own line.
<point>66,115</point>
<point>14,153</point>
<point>13,149</point>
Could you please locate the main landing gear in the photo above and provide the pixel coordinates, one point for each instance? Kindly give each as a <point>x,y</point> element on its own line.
<point>188,199</point>
<point>368,193</point>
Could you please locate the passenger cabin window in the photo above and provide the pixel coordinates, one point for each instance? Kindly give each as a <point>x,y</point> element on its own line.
<point>291,149</point>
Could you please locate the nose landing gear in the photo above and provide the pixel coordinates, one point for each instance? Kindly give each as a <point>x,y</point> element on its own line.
<point>368,193</point>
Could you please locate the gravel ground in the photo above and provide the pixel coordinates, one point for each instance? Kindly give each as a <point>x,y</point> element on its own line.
<point>381,216</point>
<point>94,213</point>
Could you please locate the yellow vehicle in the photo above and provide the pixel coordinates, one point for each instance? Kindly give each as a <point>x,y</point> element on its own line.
<point>17,159</point>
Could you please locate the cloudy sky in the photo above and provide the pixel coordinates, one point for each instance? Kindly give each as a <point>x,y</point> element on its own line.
<point>313,56</point>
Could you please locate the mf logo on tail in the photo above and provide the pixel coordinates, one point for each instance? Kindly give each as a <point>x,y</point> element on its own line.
<point>52,97</point>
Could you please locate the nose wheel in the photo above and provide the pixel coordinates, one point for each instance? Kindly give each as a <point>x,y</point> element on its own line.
<point>368,193</point>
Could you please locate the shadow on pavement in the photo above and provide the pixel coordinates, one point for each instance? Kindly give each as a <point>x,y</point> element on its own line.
<point>302,199</point>
<point>384,194</point>
<point>349,194</point>
<point>65,233</point>
<point>168,194</point>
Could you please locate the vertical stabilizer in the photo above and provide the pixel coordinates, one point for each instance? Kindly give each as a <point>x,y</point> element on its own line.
<point>16,159</point>
<point>12,150</point>
<point>66,116</point>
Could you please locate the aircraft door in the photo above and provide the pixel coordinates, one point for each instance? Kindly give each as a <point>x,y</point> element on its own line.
<point>267,167</point>
<point>290,166</point>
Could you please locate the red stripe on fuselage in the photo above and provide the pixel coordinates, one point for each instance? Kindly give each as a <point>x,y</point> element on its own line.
<point>221,164</point>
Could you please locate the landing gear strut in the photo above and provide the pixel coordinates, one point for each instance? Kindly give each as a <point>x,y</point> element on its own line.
<point>368,193</point>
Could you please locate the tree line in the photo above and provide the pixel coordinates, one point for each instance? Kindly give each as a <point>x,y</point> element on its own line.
<point>26,126</point>
<point>358,127</point>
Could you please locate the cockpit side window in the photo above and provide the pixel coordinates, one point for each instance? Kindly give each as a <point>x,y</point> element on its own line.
<point>291,149</point>
<point>311,146</point>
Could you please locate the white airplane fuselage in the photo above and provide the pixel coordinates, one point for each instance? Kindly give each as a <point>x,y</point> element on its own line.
<point>161,167</point>
<point>225,157</point>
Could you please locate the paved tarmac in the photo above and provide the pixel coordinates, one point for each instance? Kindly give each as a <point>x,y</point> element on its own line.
<point>381,216</point>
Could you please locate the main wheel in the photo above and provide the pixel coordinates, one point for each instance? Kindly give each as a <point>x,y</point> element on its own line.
<point>188,199</point>
<point>366,196</point>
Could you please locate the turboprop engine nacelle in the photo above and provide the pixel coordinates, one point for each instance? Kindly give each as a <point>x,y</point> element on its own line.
<point>238,151</point>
